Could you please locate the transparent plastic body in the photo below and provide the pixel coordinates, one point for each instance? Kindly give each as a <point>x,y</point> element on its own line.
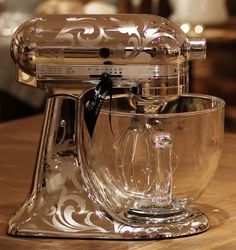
<point>82,190</point>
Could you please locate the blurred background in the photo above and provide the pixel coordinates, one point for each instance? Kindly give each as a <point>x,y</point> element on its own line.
<point>213,19</point>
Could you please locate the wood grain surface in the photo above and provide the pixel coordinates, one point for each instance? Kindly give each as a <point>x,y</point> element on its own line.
<point>18,147</point>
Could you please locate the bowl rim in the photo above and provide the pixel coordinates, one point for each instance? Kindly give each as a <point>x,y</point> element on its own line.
<point>218,104</point>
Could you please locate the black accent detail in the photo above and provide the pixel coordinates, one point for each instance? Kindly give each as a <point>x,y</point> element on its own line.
<point>96,76</point>
<point>95,102</point>
<point>104,52</point>
<point>107,63</point>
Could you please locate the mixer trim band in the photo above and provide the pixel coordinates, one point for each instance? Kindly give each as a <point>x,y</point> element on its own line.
<point>124,71</point>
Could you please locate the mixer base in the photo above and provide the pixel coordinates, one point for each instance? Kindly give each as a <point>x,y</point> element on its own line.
<point>193,222</point>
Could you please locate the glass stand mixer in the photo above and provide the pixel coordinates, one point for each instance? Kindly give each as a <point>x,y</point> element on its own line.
<point>124,149</point>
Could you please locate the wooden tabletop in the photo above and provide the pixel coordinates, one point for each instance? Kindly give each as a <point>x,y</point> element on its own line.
<point>18,146</point>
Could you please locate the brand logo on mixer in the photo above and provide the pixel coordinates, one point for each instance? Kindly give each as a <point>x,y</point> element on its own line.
<point>97,102</point>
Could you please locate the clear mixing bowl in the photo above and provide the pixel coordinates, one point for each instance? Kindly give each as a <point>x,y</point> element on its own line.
<point>146,165</point>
